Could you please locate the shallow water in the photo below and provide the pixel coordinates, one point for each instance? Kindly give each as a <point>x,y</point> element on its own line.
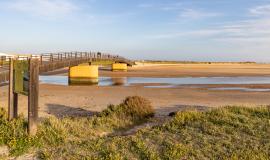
<point>166,82</point>
<point>241,89</point>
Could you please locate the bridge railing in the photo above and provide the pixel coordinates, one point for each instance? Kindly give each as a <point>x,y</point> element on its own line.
<point>52,61</point>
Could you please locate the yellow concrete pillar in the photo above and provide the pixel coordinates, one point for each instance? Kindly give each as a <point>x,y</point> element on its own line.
<point>83,75</point>
<point>119,67</point>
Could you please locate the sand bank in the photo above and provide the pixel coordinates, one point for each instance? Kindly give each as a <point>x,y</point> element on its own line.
<point>85,100</point>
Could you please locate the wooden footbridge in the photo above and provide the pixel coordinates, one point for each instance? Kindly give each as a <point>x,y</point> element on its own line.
<point>53,61</point>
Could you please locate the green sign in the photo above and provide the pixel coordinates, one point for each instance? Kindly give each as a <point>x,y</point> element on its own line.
<point>21,76</point>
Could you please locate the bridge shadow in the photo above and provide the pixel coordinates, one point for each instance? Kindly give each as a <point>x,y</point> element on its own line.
<point>61,111</point>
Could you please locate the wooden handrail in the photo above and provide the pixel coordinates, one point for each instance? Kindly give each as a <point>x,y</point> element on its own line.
<point>52,61</point>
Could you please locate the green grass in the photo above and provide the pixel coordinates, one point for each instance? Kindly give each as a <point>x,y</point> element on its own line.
<point>224,133</point>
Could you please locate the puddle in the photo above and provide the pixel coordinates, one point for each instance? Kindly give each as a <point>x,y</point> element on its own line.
<point>164,86</point>
<point>241,89</point>
<point>168,82</point>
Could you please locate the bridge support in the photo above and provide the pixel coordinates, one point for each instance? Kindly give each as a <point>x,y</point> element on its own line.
<point>119,67</point>
<point>83,75</point>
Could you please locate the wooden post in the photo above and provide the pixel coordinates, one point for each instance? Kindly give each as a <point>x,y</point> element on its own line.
<point>41,59</point>
<point>12,97</point>
<point>1,61</point>
<point>33,96</point>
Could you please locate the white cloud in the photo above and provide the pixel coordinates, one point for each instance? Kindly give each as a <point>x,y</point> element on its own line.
<point>254,30</point>
<point>243,33</point>
<point>197,14</point>
<point>179,8</point>
<point>161,6</point>
<point>48,8</point>
<point>196,33</point>
<point>263,10</point>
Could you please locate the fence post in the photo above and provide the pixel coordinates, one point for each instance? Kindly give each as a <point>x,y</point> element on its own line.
<point>33,96</point>
<point>12,97</point>
<point>41,59</point>
<point>1,61</point>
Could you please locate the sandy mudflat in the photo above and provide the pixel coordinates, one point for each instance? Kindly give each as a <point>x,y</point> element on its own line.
<point>195,70</point>
<point>85,100</point>
<point>186,70</point>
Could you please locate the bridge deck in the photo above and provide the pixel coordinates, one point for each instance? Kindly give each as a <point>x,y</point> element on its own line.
<point>51,62</point>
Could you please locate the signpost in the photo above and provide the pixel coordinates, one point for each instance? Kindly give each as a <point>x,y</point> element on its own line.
<point>21,76</point>
<point>24,80</point>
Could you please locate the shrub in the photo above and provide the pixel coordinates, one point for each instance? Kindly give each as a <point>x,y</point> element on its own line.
<point>134,107</point>
<point>138,106</point>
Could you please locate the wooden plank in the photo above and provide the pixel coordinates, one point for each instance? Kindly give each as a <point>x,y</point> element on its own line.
<point>12,97</point>
<point>33,96</point>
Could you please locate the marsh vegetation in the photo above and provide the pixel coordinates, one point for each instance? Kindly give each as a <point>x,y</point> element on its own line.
<point>223,133</point>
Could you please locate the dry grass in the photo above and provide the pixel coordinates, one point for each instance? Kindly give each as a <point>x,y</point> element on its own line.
<point>225,133</point>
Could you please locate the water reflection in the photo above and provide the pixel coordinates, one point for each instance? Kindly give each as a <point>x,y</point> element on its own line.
<point>119,81</point>
<point>103,81</point>
<point>164,82</point>
<point>113,81</point>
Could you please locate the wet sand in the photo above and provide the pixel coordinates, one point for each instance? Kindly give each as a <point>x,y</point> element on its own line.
<point>195,70</point>
<point>85,100</point>
<point>185,70</point>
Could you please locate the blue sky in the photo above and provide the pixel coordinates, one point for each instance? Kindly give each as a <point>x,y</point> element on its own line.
<point>201,30</point>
